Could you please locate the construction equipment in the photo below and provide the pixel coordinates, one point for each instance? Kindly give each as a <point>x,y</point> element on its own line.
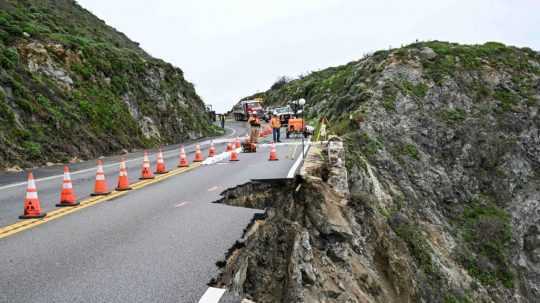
<point>244,109</point>
<point>298,126</point>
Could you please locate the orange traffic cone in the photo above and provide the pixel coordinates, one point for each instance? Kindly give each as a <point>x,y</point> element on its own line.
<point>229,147</point>
<point>67,197</point>
<point>198,154</point>
<point>123,180</point>
<point>237,143</point>
<point>160,166</point>
<point>183,159</point>
<point>146,172</point>
<point>32,209</point>
<point>100,189</point>
<point>234,155</point>
<point>212,150</point>
<point>273,153</point>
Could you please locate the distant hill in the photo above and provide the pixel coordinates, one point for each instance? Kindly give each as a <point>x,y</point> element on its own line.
<point>72,86</point>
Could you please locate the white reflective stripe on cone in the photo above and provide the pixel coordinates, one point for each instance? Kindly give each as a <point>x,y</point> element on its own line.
<point>67,185</point>
<point>32,184</point>
<point>31,195</point>
<point>100,177</point>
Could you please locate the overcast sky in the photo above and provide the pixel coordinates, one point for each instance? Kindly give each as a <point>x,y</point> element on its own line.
<point>233,48</point>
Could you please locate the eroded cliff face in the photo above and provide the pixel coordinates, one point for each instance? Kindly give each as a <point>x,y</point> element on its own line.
<point>319,243</point>
<point>73,87</point>
<point>443,161</point>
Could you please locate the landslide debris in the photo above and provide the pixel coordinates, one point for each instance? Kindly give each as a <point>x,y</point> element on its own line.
<point>71,86</point>
<point>443,163</point>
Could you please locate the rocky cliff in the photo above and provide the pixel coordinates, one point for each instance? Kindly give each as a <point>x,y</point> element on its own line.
<point>443,163</point>
<point>71,86</point>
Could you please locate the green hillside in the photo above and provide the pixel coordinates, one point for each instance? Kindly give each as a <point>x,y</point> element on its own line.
<point>71,86</point>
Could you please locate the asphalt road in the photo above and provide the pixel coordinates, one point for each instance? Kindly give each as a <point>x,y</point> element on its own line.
<point>156,244</point>
<point>49,179</point>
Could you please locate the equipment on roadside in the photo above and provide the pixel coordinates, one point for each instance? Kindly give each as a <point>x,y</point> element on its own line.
<point>100,188</point>
<point>298,126</point>
<point>67,196</point>
<point>123,180</point>
<point>32,207</point>
<point>146,172</point>
<point>160,165</point>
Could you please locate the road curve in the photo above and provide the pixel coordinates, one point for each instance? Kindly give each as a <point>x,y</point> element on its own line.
<point>49,179</point>
<point>156,244</point>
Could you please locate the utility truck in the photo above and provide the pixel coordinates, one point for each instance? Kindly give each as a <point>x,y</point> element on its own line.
<point>246,108</point>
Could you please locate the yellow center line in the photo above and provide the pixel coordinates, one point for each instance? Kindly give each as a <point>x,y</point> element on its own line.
<point>58,213</point>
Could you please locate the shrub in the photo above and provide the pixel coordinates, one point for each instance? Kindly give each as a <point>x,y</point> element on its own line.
<point>10,58</point>
<point>487,233</point>
<point>411,151</point>
<point>282,81</point>
<point>419,90</point>
<point>32,149</point>
<point>454,115</point>
<point>506,98</point>
<point>418,247</point>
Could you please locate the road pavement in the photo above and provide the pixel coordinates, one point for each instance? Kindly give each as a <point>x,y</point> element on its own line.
<point>156,244</point>
<point>49,179</point>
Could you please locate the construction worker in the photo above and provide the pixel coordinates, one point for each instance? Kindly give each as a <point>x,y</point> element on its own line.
<point>276,127</point>
<point>255,124</point>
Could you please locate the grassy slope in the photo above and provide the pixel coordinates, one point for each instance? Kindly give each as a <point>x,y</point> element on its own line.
<point>42,120</point>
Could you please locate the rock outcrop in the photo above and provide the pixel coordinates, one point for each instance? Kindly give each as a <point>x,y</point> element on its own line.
<point>71,86</point>
<point>443,164</point>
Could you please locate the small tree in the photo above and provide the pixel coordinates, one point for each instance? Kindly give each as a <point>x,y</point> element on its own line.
<point>280,82</point>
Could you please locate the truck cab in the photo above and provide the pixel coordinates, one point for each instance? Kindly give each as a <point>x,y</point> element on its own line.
<point>246,108</point>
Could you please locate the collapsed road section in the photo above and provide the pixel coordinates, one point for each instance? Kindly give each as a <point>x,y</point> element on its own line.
<point>307,247</point>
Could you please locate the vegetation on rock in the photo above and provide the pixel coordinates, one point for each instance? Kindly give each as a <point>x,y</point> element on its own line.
<point>71,86</point>
<point>442,153</point>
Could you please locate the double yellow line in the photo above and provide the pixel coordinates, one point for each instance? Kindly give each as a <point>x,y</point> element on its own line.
<point>53,215</point>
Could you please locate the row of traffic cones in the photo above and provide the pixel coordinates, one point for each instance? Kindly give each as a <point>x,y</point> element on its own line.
<point>32,208</point>
<point>265,132</point>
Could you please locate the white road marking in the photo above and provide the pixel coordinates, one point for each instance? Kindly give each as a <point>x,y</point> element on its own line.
<point>181,204</point>
<point>212,295</point>
<point>219,157</point>
<point>112,164</point>
<point>293,169</point>
<point>213,188</point>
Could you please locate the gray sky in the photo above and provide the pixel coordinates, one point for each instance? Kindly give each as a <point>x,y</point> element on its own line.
<point>233,48</point>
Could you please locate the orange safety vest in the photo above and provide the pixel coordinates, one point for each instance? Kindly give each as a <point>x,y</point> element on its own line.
<point>275,122</point>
